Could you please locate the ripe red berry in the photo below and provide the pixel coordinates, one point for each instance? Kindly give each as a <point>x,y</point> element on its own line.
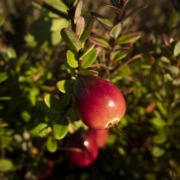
<point>98,102</point>
<point>82,149</point>
<point>100,136</point>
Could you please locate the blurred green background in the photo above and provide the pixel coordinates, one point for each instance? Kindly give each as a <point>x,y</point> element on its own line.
<point>33,59</point>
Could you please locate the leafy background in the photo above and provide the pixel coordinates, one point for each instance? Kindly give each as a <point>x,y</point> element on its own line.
<point>33,60</point>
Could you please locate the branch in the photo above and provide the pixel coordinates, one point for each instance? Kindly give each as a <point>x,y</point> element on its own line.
<point>52,9</point>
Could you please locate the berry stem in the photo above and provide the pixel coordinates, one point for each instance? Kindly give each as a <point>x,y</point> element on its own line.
<point>126,137</point>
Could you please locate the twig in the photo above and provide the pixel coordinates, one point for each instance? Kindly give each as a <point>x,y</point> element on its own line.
<point>52,9</point>
<point>132,59</point>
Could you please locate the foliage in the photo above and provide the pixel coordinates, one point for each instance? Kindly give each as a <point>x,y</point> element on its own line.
<point>136,47</point>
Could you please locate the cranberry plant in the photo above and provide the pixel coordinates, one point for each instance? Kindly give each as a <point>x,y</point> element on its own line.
<point>46,45</point>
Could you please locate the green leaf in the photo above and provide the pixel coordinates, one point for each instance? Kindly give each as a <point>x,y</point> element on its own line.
<point>71,59</point>
<point>88,72</point>
<point>3,76</point>
<point>89,57</point>
<point>157,151</point>
<point>133,11</point>
<point>160,138</point>
<point>1,20</point>
<point>157,122</point>
<point>67,3</point>
<point>100,42</point>
<point>21,61</point>
<point>52,144</point>
<point>119,11</point>
<point>40,130</point>
<point>11,53</point>
<point>128,37</point>
<point>161,107</point>
<point>176,81</point>
<point>172,69</point>
<point>177,49</point>
<point>60,127</point>
<point>77,13</point>
<point>53,103</point>
<point>71,39</point>
<point>102,19</point>
<point>118,55</point>
<point>5,165</point>
<point>65,86</point>
<point>116,30</point>
<point>87,30</point>
<point>70,70</point>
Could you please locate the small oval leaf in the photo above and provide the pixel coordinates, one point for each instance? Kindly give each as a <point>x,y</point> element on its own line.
<point>118,55</point>
<point>128,37</point>
<point>52,144</point>
<point>71,39</point>
<point>88,72</point>
<point>116,30</point>
<point>71,59</point>
<point>100,42</point>
<point>87,29</point>
<point>78,11</point>
<point>176,81</point>
<point>102,19</point>
<point>60,127</point>
<point>80,25</point>
<point>172,69</point>
<point>157,151</point>
<point>65,86</point>
<point>88,58</point>
<point>5,165</point>
<point>177,49</point>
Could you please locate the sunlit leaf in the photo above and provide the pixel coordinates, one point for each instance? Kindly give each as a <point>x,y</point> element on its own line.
<point>77,13</point>
<point>3,76</point>
<point>52,144</point>
<point>160,138</point>
<point>60,127</point>
<point>118,55</point>
<point>100,42</point>
<point>157,151</point>
<point>116,30</point>
<point>128,37</point>
<point>11,53</point>
<point>5,165</point>
<point>158,122</point>
<point>88,57</point>
<point>65,86</point>
<point>104,20</point>
<point>71,59</point>
<point>80,25</point>
<point>176,81</point>
<point>177,49</point>
<point>71,39</point>
<point>172,69</point>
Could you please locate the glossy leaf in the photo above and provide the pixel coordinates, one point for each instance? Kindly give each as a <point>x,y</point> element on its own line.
<point>116,30</point>
<point>134,11</point>
<point>128,37</point>
<point>65,86</point>
<point>118,55</point>
<point>3,76</point>
<point>80,25</point>
<point>87,30</point>
<point>71,39</point>
<point>157,151</point>
<point>102,19</point>
<point>5,165</point>
<point>88,72</point>
<point>52,144</point>
<point>100,42</point>
<point>71,59</point>
<point>88,57</point>
<point>60,127</point>
<point>119,11</point>
<point>77,13</point>
<point>53,103</point>
<point>177,49</point>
